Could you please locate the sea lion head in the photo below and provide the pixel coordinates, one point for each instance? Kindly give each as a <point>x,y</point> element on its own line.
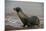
<point>17,9</point>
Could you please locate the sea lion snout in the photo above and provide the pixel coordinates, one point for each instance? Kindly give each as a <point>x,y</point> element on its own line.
<point>14,9</point>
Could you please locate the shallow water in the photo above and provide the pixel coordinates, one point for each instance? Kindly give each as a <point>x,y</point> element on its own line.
<point>14,21</point>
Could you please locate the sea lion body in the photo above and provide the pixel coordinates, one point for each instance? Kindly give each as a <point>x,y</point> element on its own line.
<point>29,21</point>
